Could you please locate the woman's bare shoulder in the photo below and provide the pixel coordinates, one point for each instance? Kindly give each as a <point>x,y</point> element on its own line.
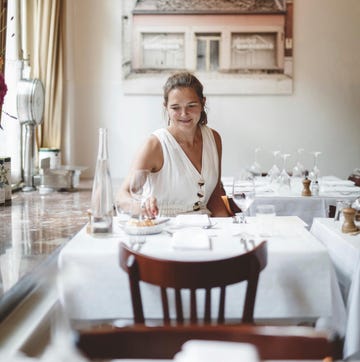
<point>217,138</point>
<point>153,145</point>
<point>216,134</point>
<point>150,155</point>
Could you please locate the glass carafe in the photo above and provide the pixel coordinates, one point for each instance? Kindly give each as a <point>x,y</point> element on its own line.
<point>102,196</point>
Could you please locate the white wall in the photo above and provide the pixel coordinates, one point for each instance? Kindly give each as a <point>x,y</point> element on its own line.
<point>323,113</point>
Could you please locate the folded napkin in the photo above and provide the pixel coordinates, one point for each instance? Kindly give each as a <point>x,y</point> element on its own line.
<point>264,188</point>
<point>341,189</point>
<point>193,238</point>
<point>192,220</point>
<point>335,183</point>
<point>215,351</point>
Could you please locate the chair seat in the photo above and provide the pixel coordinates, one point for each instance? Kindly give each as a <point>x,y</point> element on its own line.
<point>272,342</point>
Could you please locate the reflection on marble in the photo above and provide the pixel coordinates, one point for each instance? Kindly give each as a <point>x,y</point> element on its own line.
<point>33,226</point>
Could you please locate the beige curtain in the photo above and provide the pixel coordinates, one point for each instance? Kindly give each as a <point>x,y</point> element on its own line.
<point>44,43</point>
<point>3,16</point>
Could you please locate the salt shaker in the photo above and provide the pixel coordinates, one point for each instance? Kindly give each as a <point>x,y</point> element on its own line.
<point>306,190</point>
<point>349,217</point>
<point>315,188</point>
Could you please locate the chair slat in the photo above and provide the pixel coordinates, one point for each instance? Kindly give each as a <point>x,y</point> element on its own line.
<point>135,291</point>
<point>179,306</point>
<point>207,312</point>
<point>165,305</point>
<point>221,314</point>
<point>193,306</point>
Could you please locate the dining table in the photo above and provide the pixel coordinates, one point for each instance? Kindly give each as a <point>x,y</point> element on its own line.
<point>289,200</point>
<point>298,285</point>
<point>344,251</point>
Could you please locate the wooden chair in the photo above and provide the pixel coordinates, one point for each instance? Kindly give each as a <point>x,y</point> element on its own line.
<point>193,275</point>
<point>355,179</point>
<point>273,343</point>
<point>331,211</point>
<point>229,203</point>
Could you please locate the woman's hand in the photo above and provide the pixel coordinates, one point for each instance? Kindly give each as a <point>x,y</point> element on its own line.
<point>150,208</point>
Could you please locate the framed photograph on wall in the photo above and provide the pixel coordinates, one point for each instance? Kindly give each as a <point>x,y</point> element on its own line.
<point>249,42</point>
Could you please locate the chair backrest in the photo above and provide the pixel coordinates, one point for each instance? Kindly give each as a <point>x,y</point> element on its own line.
<point>331,211</point>
<point>273,343</point>
<point>355,178</point>
<point>194,275</point>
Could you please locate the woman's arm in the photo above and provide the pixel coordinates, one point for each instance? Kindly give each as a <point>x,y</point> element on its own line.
<point>149,157</point>
<point>216,204</point>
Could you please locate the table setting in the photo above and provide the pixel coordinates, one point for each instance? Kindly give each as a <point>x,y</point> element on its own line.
<point>291,202</point>
<point>344,251</point>
<point>295,256</point>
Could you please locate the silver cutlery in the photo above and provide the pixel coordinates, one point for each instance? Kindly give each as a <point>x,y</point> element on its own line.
<point>209,226</point>
<point>161,221</point>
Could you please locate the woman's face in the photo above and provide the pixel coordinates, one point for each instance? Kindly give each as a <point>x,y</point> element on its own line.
<point>184,107</point>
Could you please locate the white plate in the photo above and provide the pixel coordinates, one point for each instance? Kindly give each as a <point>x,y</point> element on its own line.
<point>144,230</point>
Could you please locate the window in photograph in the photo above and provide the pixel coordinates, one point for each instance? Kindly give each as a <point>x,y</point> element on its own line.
<point>207,52</point>
<point>163,50</point>
<point>253,51</point>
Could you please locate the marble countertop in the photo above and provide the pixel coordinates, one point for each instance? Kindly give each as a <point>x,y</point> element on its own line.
<point>33,227</point>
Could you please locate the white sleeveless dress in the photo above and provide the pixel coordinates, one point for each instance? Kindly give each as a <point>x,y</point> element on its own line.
<point>176,185</point>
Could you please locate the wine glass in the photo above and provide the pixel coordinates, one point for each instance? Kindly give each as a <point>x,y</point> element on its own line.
<point>274,171</point>
<point>298,169</point>
<point>255,168</point>
<point>315,172</point>
<point>140,189</point>
<point>284,178</point>
<point>243,193</point>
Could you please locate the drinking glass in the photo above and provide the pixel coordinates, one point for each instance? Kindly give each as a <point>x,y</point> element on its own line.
<point>243,193</point>
<point>265,216</point>
<point>140,189</point>
<point>315,172</point>
<point>340,205</point>
<point>122,214</point>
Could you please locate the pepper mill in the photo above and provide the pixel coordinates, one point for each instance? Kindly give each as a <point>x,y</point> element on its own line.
<point>349,217</point>
<point>306,190</point>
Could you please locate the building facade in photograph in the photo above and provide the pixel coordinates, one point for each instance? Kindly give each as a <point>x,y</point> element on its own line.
<point>238,37</point>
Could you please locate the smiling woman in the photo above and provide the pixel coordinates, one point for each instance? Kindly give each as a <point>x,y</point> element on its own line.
<point>184,158</point>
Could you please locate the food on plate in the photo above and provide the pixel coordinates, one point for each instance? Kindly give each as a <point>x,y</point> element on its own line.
<point>141,223</point>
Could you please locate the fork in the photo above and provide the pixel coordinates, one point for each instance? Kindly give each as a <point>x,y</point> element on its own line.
<point>209,226</point>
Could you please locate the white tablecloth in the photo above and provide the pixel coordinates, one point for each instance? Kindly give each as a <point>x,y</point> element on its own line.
<point>287,288</point>
<point>291,203</point>
<point>344,251</point>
